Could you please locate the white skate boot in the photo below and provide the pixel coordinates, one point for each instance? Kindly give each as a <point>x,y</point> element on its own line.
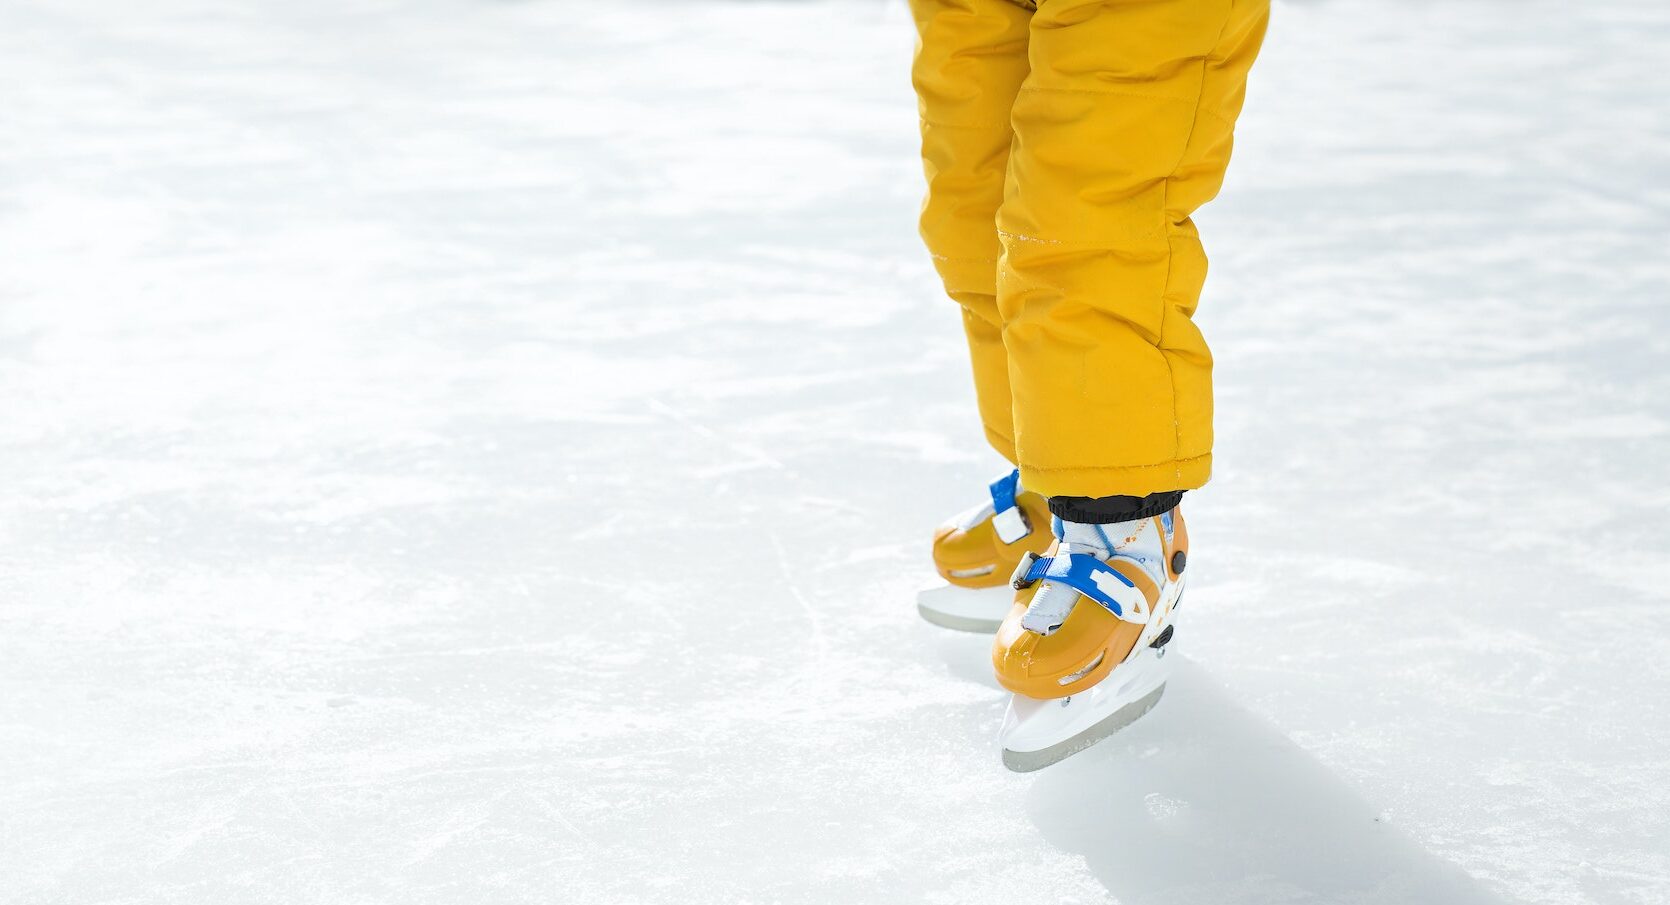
<point>1084,645</point>
<point>976,553</point>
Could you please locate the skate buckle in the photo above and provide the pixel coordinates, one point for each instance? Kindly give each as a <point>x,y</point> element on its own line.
<point>1011,525</point>
<point>1022,579</point>
<point>1085,573</point>
<point>1007,518</point>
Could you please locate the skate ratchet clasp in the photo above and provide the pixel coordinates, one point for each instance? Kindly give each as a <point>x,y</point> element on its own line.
<point>1085,573</point>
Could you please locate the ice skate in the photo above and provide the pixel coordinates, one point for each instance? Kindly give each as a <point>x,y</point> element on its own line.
<point>1085,642</point>
<point>976,553</point>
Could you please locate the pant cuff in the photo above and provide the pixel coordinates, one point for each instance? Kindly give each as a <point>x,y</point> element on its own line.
<point>1117,480</point>
<point>1005,447</point>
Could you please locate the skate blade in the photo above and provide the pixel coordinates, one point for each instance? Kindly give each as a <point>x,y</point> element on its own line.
<point>1028,761</point>
<point>966,609</point>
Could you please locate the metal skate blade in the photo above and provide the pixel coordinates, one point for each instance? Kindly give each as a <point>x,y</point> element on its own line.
<point>1027,761</point>
<point>966,609</point>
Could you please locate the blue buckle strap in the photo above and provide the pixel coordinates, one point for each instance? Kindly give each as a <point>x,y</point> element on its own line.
<point>1082,572</point>
<point>1008,520</point>
<point>1004,489</point>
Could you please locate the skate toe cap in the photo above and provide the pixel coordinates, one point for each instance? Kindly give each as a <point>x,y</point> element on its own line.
<point>1058,664</point>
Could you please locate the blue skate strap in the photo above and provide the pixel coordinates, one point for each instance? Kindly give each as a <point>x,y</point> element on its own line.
<point>1007,519</point>
<point>1081,572</point>
<point>1003,491</point>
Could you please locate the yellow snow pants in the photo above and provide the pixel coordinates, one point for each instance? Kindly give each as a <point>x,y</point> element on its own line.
<point>1065,149</point>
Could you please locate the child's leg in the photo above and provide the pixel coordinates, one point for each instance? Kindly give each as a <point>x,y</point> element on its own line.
<point>1123,127</point>
<point>969,64</point>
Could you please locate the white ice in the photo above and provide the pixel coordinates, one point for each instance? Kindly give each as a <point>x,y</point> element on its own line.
<point>460,451</point>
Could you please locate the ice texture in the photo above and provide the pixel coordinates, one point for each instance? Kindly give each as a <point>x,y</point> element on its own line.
<point>485,452</point>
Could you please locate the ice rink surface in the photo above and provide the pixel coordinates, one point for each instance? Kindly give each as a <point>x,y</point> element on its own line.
<point>485,452</point>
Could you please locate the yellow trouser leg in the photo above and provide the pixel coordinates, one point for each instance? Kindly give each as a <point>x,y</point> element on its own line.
<point>1122,129</point>
<point>970,62</point>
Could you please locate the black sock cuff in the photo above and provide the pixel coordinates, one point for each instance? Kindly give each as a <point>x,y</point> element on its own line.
<point>1105,510</point>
